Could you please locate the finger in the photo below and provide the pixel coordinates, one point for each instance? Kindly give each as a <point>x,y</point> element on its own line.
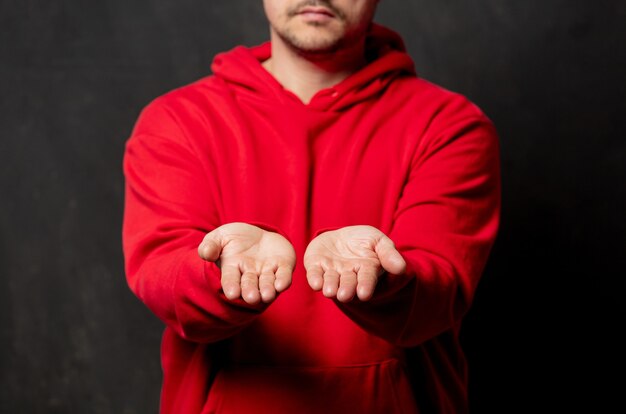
<point>315,277</point>
<point>250,287</point>
<point>210,248</point>
<point>231,281</point>
<point>347,286</point>
<point>283,278</point>
<point>331,283</point>
<point>390,259</point>
<point>366,283</point>
<point>266,285</point>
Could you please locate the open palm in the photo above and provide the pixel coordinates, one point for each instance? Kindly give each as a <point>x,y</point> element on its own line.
<point>256,264</point>
<point>348,262</point>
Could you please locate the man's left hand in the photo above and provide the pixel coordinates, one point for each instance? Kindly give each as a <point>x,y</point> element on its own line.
<point>348,262</point>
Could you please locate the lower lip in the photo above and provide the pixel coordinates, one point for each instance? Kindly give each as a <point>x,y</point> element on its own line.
<point>316,17</point>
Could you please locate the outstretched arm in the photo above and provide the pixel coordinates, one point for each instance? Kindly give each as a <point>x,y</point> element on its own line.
<point>171,224</point>
<point>443,230</point>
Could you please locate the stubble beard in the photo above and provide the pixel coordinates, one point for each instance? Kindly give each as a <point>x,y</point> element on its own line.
<point>314,38</point>
<point>311,44</point>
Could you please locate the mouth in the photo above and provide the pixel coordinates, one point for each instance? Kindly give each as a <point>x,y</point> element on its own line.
<point>315,11</point>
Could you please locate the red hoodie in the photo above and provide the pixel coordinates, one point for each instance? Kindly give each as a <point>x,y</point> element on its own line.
<point>381,148</point>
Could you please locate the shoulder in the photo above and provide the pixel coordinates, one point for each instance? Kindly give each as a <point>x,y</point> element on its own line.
<point>433,113</point>
<point>436,117</point>
<point>175,109</point>
<point>435,102</point>
<point>197,93</point>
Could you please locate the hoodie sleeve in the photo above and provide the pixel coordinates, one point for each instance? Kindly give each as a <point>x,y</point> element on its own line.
<point>444,227</point>
<point>168,211</point>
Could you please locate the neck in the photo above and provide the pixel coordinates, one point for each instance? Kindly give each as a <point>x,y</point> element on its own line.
<point>305,75</point>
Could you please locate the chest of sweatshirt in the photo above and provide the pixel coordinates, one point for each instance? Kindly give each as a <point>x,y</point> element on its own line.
<point>303,170</point>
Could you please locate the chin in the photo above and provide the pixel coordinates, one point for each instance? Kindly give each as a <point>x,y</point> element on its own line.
<point>314,43</point>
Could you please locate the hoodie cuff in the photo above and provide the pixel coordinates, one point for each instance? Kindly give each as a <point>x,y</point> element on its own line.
<point>268,227</point>
<point>325,229</point>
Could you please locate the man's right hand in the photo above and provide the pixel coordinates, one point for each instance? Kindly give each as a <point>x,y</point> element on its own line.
<point>256,264</point>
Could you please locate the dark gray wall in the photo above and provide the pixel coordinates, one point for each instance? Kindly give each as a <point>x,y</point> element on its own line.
<point>74,75</point>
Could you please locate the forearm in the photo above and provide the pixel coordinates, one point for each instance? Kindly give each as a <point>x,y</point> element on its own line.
<point>445,225</point>
<point>184,291</point>
<point>429,298</point>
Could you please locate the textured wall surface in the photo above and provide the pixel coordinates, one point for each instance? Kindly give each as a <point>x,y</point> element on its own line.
<point>74,75</point>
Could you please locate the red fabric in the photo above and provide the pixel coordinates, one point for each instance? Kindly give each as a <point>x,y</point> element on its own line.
<point>383,148</point>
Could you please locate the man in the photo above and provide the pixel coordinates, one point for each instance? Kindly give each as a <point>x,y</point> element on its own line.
<point>311,223</point>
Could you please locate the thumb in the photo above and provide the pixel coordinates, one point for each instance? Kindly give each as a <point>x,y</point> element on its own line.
<point>390,259</point>
<point>211,247</point>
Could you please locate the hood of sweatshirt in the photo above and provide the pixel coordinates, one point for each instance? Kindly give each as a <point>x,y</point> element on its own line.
<point>241,69</point>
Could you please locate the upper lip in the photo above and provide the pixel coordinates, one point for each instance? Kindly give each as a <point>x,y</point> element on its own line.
<point>314,9</point>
